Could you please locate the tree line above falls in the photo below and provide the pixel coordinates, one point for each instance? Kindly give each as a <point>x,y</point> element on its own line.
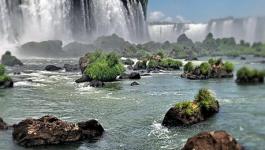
<point>182,48</point>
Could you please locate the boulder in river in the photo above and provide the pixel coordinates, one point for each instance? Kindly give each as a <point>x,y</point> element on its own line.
<point>188,113</point>
<point>83,79</point>
<point>97,84</point>
<point>52,68</point>
<point>214,140</point>
<point>9,60</point>
<point>132,76</point>
<point>134,84</point>
<point>71,68</point>
<point>3,125</point>
<point>50,130</point>
<point>83,62</point>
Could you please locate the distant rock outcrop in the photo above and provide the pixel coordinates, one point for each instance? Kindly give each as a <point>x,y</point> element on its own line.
<point>50,130</point>
<point>52,48</point>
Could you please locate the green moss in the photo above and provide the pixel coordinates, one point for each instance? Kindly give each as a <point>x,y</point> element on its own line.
<point>188,108</point>
<point>205,68</point>
<point>104,67</point>
<point>206,99</point>
<point>153,63</point>
<point>189,67</point>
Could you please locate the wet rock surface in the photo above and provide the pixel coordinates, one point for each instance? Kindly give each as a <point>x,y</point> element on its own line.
<point>50,130</point>
<point>215,140</point>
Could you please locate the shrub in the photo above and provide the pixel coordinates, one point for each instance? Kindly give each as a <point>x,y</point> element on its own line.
<point>2,69</point>
<point>4,78</point>
<point>205,68</point>
<point>189,67</point>
<point>104,67</point>
<point>188,108</point>
<point>248,73</point>
<point>153,64</point>
<point>206,99</point>
<point>229,67</point>
<point>170,63</point>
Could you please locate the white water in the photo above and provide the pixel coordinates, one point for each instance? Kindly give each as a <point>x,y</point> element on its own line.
<point>250,29</point>
<point>68,20</point>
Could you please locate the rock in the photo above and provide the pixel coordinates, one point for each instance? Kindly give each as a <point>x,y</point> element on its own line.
<point>9,60</point>
<point>176,117</point>
<point>140,65</point>
<point>128,62</point>
<point>51,48</point>
<point>134,84</point>
<point>52,68</point>
<point>7,83</point>
<point>132,76</point>
<point>214,140</point>
<point>192,112</point>
<point>49,130</point>
<point>97,84</point>
<point>83,79</point>
<point>71,68</point>
<point>243,58</point>
<point>130,67</point>
<point>83,62</point>
<point>76,49</point>
<point>3,125</point>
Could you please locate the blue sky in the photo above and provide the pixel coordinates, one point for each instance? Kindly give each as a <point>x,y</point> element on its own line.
<point>203,10</point>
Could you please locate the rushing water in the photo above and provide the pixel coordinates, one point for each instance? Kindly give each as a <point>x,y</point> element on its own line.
<point>132,116</point>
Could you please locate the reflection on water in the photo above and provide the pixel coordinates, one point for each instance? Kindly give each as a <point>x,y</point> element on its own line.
<point>132,116</point>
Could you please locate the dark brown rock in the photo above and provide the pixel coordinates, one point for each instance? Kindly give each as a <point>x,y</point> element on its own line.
<point>3,125</point>
<point>215,140</point>
<point>49,130</point>
<point>52,68</point>
<point>7,84</point>
<point>83,79</point>
<point>97,84</point>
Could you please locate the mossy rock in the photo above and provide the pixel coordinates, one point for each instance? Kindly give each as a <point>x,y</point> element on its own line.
<point>188,113</point>
<point>246,75</point>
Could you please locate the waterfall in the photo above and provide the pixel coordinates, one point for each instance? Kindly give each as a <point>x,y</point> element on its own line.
<point>71,20</point>
<point>250,29</point>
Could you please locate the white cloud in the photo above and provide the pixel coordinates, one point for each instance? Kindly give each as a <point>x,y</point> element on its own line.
<point>158,16</point>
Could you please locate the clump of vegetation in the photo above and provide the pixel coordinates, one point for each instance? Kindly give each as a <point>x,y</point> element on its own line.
<point>104,67</point>
<point>205,68</point>
<point>189,67</point>
<point>170,63</point>
<point>206,99</point>
<point>189,108</point>
<point>159,61</point>
<point>204,102</point>
<point>249,75</point>
<point>229,67</point>
<point>3,76</point>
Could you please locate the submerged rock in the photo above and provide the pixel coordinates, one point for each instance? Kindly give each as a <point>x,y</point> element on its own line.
<point>132,76</point>
<point>52,68</point>
<point>9,60</point>
<point>6,83</point>
<point>96,83</point>
<point>71,68</point>
<point>50,130</point>
<point>215,140</point>
<point>134,84</point>
<point>83,79</point>
<point>3,125</point>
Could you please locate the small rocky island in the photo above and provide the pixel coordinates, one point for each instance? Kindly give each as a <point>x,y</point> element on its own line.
<point>214,140</point>
<point>50,130</point>
<point>246,75</point>
<point>9,60</point>
<point>204,106</point>
<point>5,80</point>
<point>207,70</point>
